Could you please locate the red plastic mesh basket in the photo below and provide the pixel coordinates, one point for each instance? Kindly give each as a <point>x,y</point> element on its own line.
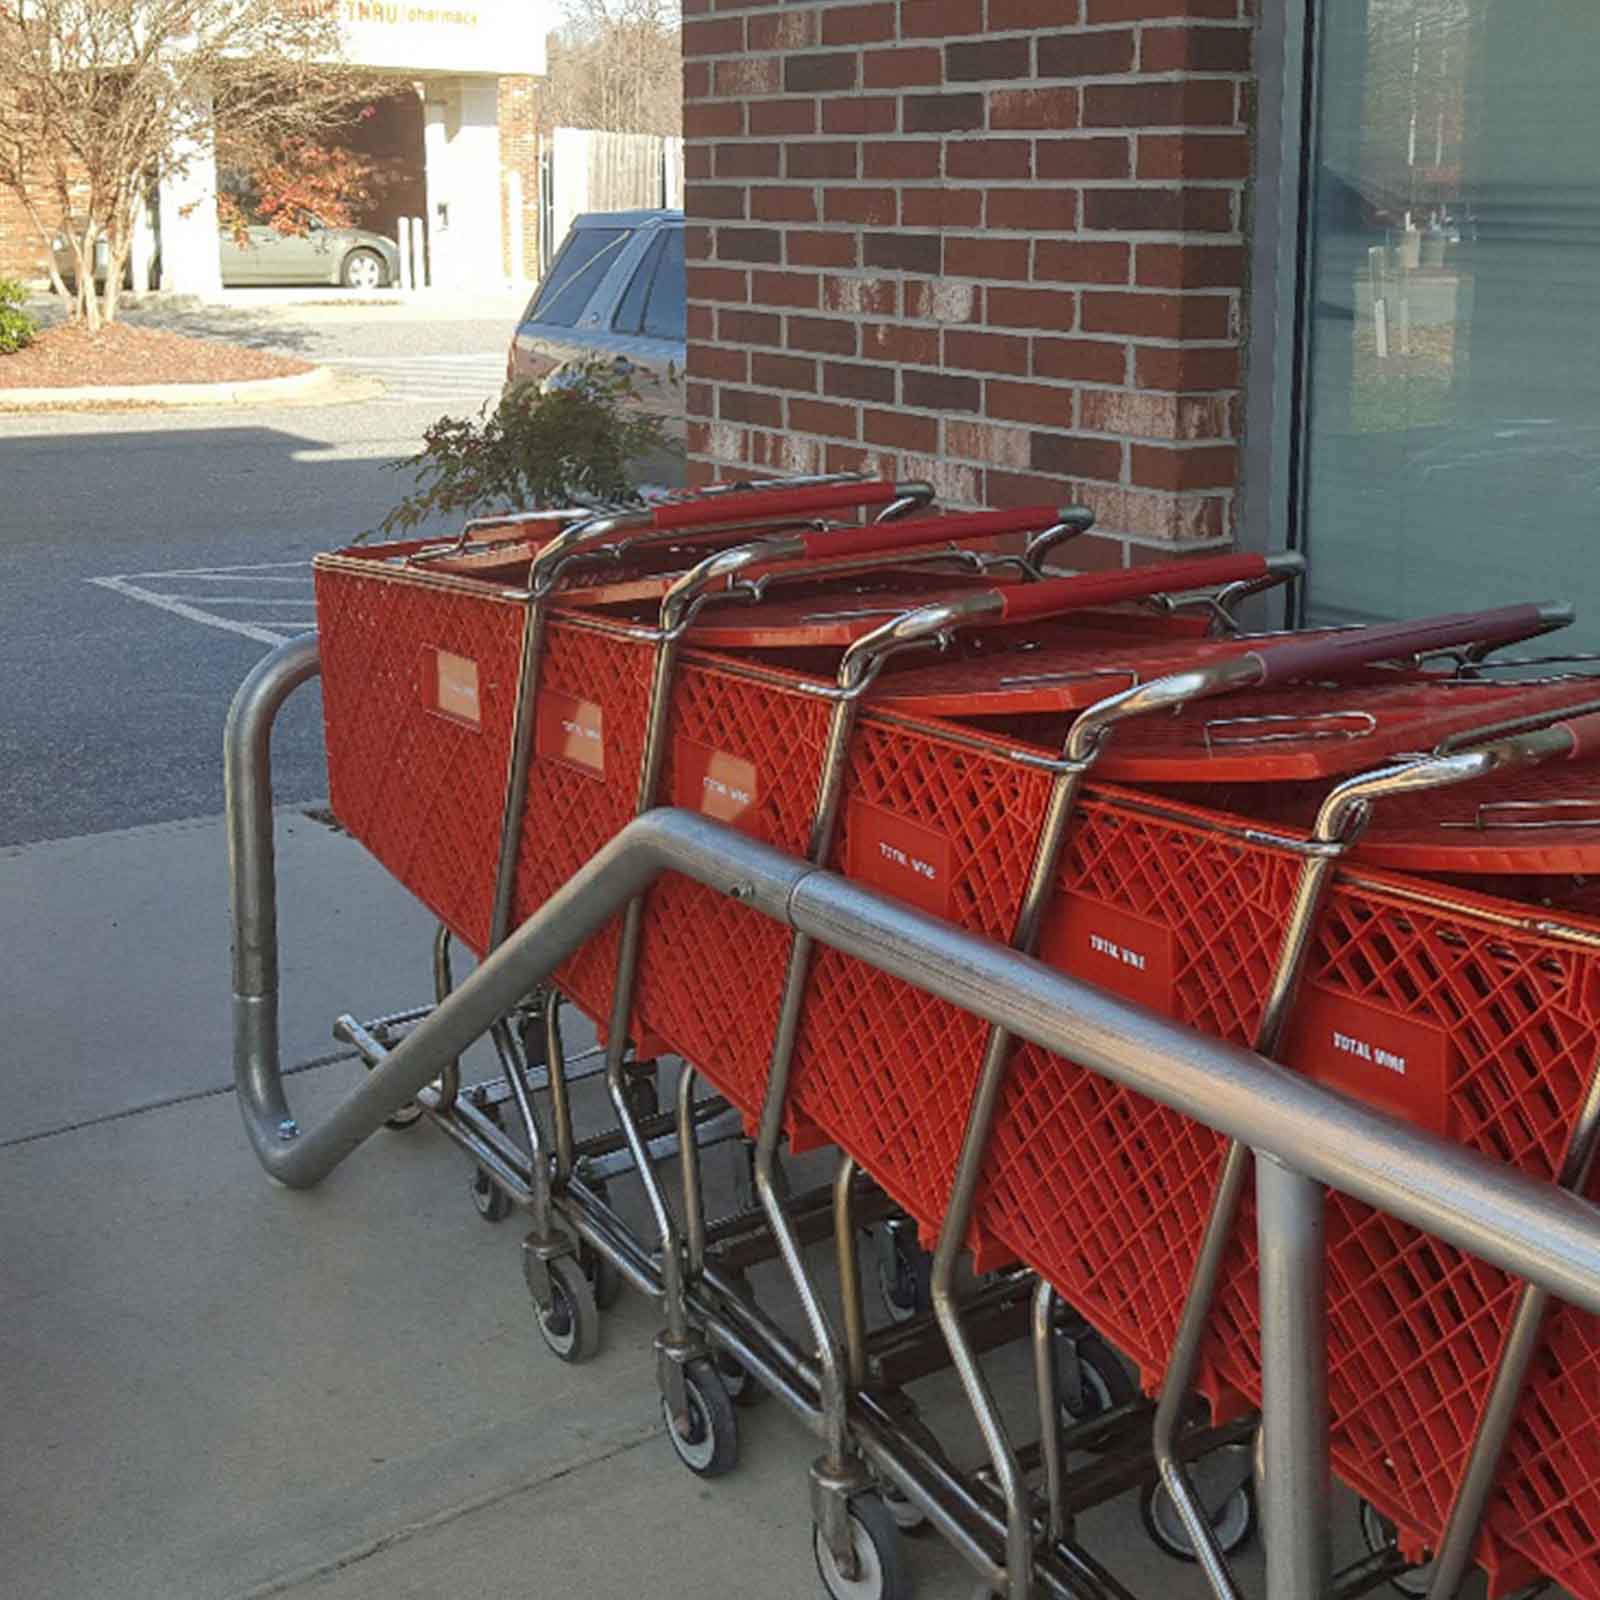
<point>420,784</point>
<point>1163,910</point>
<point>420,678</point>
<point>1481,1032</point>
<point>746,748</point>
<point>1501,1029</point>
<point>887,1070</point>
<point>1496,1027</point>
<point>1548,1507</point>
<point>1444,1015</point>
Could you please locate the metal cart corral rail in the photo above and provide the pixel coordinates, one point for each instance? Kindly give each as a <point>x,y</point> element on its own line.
<point>1302,1135</point>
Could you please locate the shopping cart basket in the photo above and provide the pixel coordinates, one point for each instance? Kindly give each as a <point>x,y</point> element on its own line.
<point>887,1076</point>
<point>1449,1016</point>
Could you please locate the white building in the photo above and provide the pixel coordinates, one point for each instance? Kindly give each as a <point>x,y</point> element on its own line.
<point>472,178</point>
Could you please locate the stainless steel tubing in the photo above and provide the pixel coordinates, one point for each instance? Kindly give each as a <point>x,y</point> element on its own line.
<point>764,1350</point>
<point>1315,873</point>
<point>694,1209</point>
<point>300,1158</point>
<point>969,1168</point>
<point>1516,1355</point>
<point>837,1472</point>
<point>247,791</point>
<point>1527,1227</point>
<point>1046,1387</point>
<point>1533,1229</point>
<point>443,982</point>
<point>746,871</point>
<point>1071,521</point>
<point>846,1248</point>
<point>914,495</point>
<point>1294,1384</point>
<point>834,1384</point>
<point>1339,822</point>
<point>555,1068</point>
<point>678,608</point>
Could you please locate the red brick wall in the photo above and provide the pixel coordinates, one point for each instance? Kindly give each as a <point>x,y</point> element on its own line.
<point>992,242</point>
<point>519,152</point>
<point>22,252</point>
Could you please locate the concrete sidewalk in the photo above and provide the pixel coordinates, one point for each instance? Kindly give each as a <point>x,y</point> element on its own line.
<point>217,1388</point>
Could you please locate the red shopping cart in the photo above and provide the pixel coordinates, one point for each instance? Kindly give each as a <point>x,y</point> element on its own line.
<point>1448,1011</point>
<point>1181,908</point>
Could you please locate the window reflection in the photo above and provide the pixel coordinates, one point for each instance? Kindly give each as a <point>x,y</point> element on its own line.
<point>1453,453</point>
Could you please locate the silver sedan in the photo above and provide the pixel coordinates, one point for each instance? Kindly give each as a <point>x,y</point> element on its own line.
<point>349,256</point>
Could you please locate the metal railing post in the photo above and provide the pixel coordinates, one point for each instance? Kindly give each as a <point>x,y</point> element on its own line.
<point>1294,1383</point>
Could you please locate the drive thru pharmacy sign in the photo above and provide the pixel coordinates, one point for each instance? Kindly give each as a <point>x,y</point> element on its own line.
<point>479,36</point>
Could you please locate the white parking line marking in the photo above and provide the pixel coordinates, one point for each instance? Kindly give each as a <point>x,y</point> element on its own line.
<point>169,591</point>
<point>432,379</point>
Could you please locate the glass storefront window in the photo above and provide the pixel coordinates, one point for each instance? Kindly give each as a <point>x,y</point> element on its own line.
<point>1452,446</point>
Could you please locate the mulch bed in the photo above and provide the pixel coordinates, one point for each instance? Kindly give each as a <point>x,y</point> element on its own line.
<point>70,356</point>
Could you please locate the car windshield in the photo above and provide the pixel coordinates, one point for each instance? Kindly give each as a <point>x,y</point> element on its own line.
<point>583,262</point>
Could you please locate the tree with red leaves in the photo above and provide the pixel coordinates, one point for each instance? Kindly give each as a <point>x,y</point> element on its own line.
<point>100,99</point>
<point>300,179</point>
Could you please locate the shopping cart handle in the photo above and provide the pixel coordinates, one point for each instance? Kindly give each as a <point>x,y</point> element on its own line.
<point>771,504</point>
<point>920,532</point>
<point>1585,734</point>
<point>1357,647</point>
<point>1054,595</point>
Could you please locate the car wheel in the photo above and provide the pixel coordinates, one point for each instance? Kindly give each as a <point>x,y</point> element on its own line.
<point>365,269</point>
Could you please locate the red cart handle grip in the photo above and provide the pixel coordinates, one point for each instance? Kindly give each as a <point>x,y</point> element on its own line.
<point>1029,600</point>
<point>881,537</point>
<point>1585,733</point>
<point>771,504</point>
<point>1357,647</point>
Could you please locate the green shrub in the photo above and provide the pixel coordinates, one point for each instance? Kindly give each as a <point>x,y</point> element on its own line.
<point>16,326</point>
<point>534,449</point>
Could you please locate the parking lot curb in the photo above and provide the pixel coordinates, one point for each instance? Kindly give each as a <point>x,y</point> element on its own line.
<point>250,391</point>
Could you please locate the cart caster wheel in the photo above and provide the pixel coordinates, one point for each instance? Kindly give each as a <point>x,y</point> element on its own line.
<point>905,1273</point>
<point>1103,1385</point>
<point>881,1573</point>
<point>571,1327</point>
<point>1379,1533</point>
<point>604,1279</point>
<point>1232,1508</point>
<point>710,1447</point>
<point>408,1116</point>
<point>908,1516</point>
<point>493,1203</point>
<point>744,1389</point>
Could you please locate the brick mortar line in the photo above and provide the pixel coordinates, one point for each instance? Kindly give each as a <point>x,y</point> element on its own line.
<point>1140,341</point>
<point>1127,443</point>
<point>1013,425</point>
<point>935,41</point>
<point>1058,385</point>
<point>960,416</point>
<point>926,135</point>
<point>1132,78</point>
<point>799,185</point>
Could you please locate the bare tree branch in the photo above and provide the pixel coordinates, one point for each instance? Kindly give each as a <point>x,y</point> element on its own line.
<point>102,99</point>
<point>616,65</point>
